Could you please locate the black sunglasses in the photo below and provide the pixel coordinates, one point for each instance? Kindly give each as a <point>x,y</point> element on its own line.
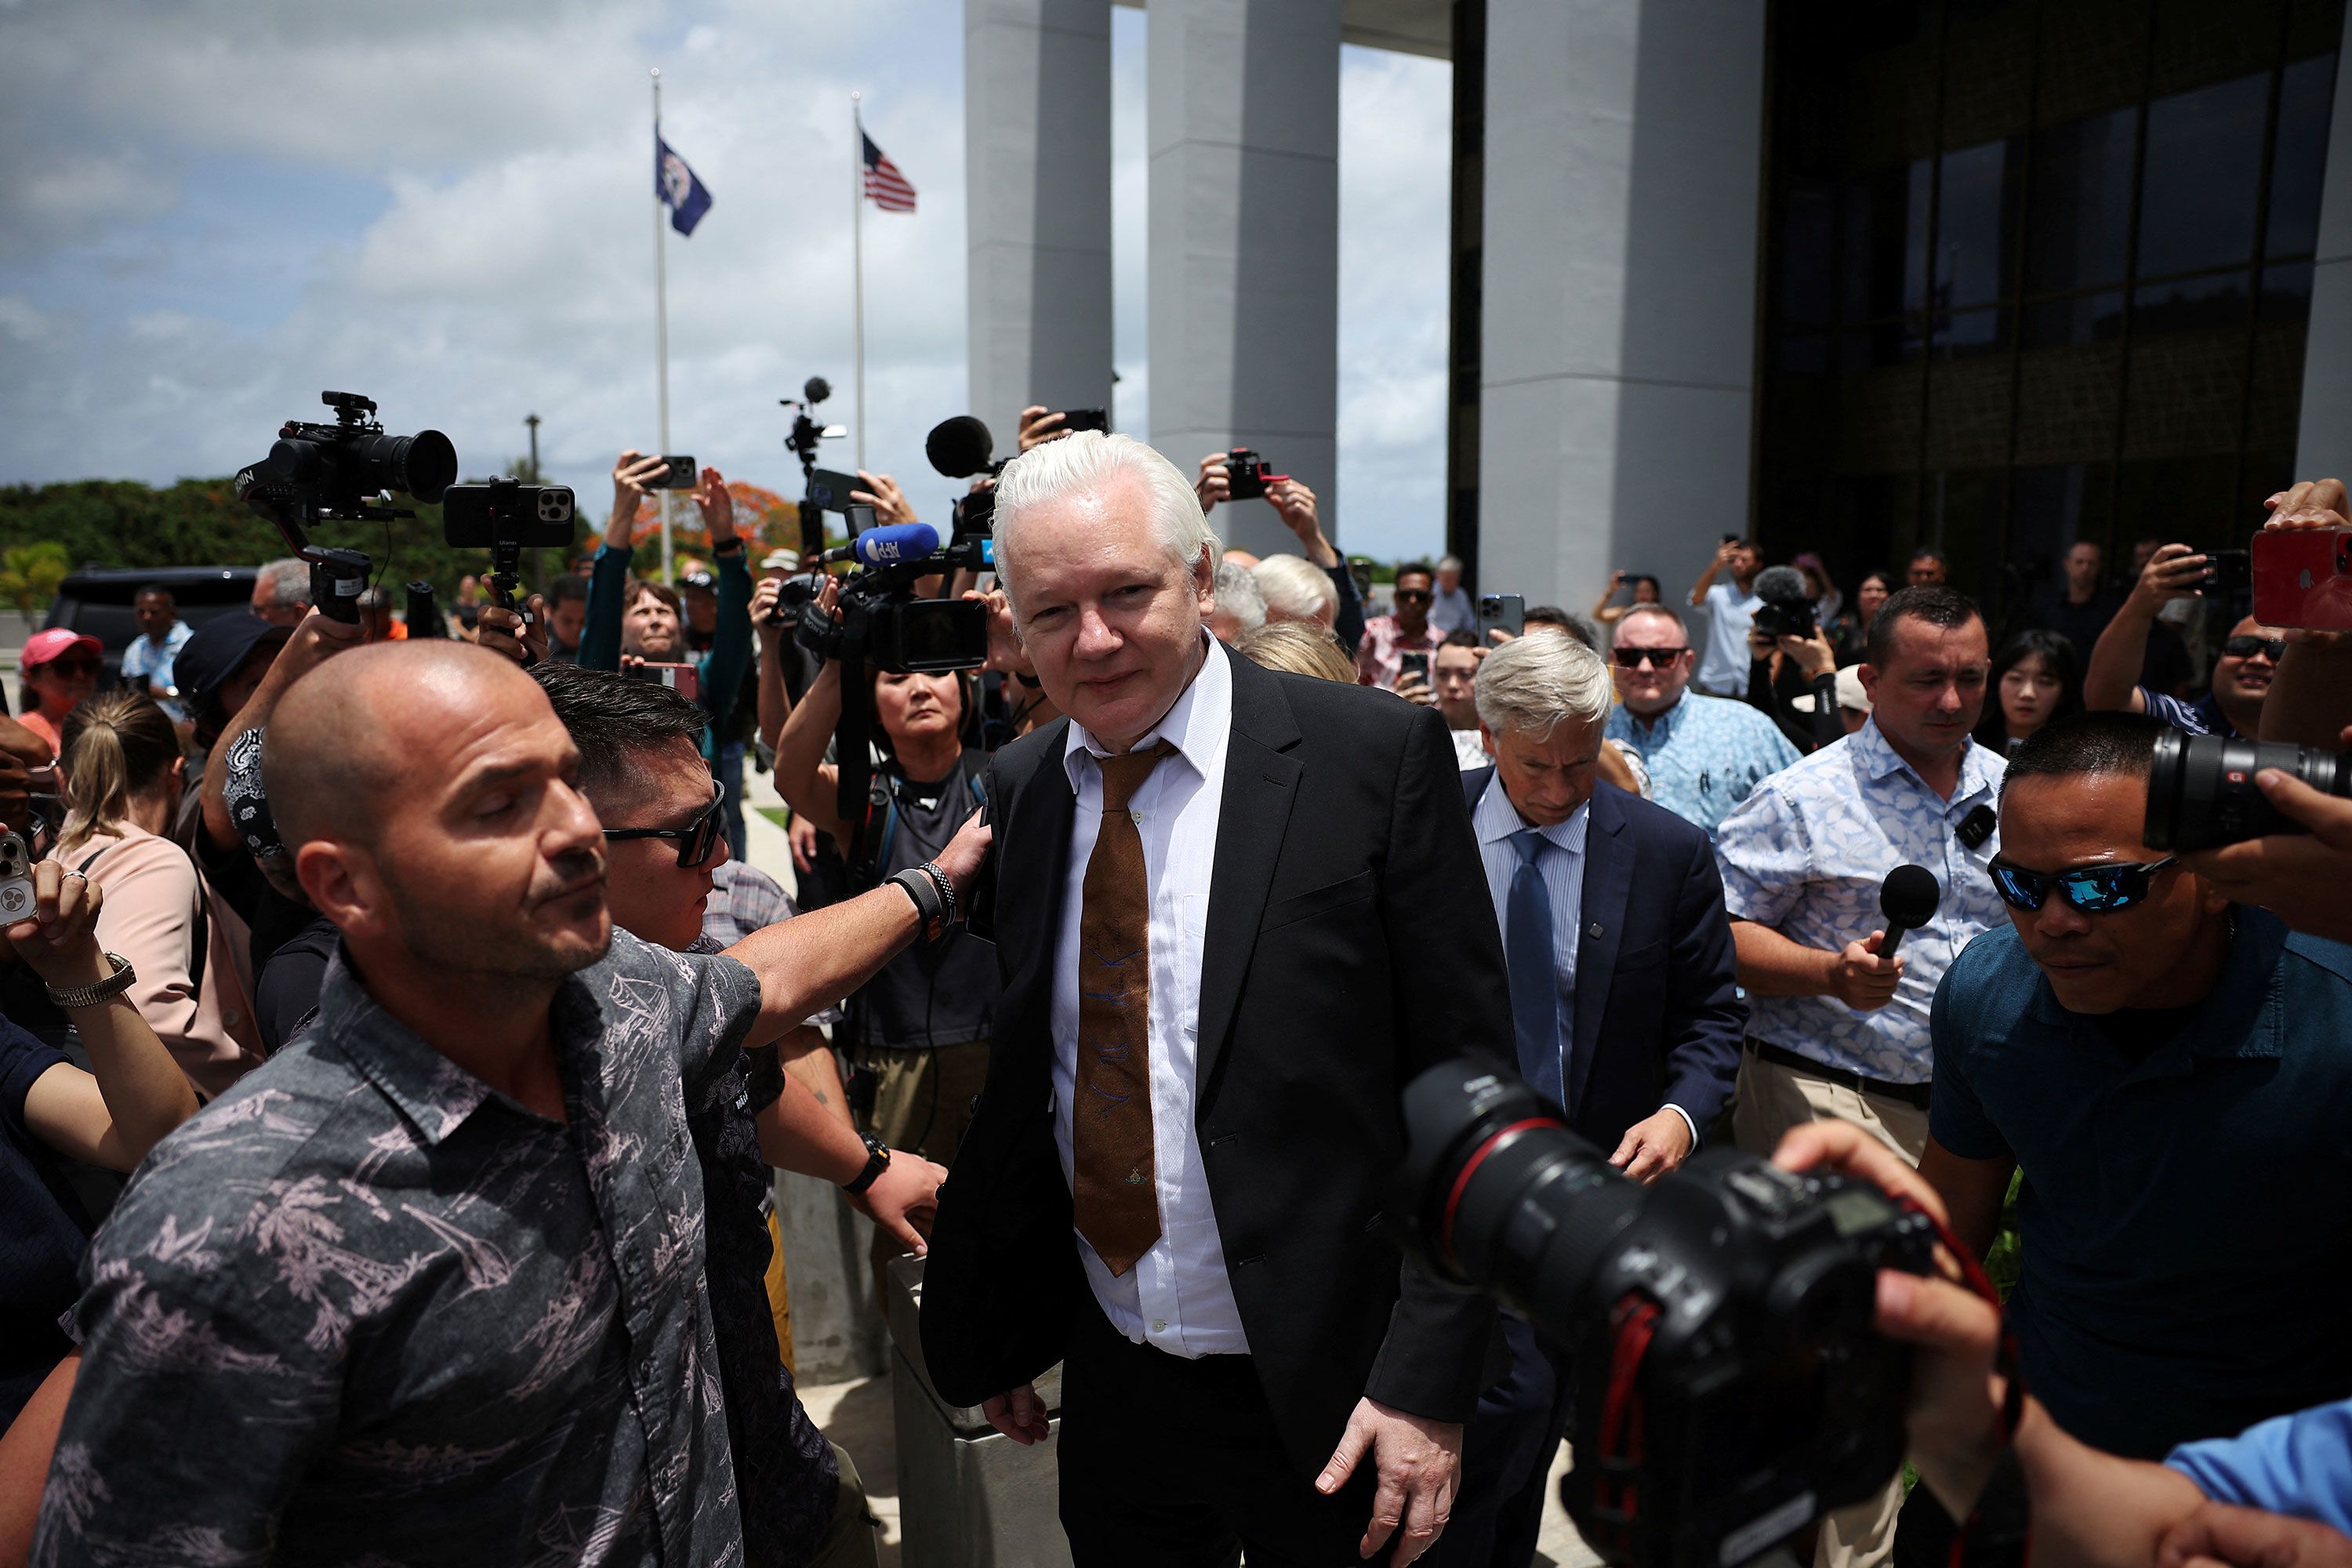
<point>2272,649</point>
<point>2091,890</point>
<point>1658,657</point>
<point>696,840</point>
<point>1422,594</point>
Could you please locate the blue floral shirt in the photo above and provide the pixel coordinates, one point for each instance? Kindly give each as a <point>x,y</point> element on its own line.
<point>1703,754</point>
<point>1805,855</point>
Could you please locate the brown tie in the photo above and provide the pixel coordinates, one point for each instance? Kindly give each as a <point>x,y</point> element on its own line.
<point>1115,1195</point>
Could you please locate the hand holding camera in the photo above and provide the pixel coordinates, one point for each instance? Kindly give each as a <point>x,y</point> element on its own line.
<point>2299,878</point>
<point>57,937</point>
<point>2174,572</point>
<point>882,493</point>
<point>635,474</point>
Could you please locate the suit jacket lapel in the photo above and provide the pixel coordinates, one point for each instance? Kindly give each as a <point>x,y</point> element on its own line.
<point>1032,857</point>
<point>1608,886</point>
<point>1261,784</point>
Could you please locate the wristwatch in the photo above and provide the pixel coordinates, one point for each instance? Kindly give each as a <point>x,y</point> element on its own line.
<point>114,984</point>
<point>878,1160</point>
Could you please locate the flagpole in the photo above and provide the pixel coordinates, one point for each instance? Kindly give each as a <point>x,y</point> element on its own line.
<point>661,324</point>
<point>857,253</point>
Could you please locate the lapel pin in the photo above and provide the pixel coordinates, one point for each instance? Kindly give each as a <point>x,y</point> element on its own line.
<point>1592,930</point>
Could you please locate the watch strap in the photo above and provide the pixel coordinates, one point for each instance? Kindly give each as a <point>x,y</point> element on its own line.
<point>878,1160</point>
<point>931,907</point>
<point>114,984</point>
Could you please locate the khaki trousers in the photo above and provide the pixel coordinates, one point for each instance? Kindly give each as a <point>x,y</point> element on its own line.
<point>1772,1099</point>
<point>923,1104</point>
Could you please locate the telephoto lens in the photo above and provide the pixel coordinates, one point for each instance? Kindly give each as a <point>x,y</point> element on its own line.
<point>1728,1386</point>
<point>2201,790</point>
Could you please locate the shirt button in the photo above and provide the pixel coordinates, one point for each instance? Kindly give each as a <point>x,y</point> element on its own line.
<point>1158,1325</point>
<point>1139,818</point>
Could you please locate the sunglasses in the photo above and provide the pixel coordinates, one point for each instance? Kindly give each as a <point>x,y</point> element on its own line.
<point>2272,649</point>
<point>1419,596</point>
<point>70,666</point>
<point>1657,658</point>
<point>696,840</point>
<point>2091,890</point>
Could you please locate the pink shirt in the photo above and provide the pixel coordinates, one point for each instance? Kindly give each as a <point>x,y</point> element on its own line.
<point>1380,655</point>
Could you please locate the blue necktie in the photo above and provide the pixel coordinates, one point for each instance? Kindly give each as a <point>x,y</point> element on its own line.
<point>1535,991</point>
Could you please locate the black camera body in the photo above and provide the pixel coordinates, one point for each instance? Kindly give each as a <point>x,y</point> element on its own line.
<point>318,473</point>
<point>2201,790</point>
<point>1248,475</point>
<point>1729,1388</point>
<point>1792,619</point>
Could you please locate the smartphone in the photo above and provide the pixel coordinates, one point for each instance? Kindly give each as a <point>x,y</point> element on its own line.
<point>1414,662</point>
<point>17,892</point>
<point>1502,612</point>
<point>682,679</point>
<point>681,475</point>
<point>1086,419</point>
<point>538,517</point>
<point>831,491</point>
<point>2303,578</point>
<point>2228,576</point>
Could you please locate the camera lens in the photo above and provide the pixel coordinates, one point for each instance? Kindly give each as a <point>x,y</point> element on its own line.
<point>2201,790</point>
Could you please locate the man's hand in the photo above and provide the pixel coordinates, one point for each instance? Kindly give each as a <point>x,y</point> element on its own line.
<point>889,503</point>
<point>2174,572</point>
<point>1859,977</point>
<point>1415,688</point>
<point>1213,484</point>
<point>1040,424</point>
<point>2300,879</point>
<point>802,835</point>
<point>60,940</point>
<point>1725,550</point>
<point>1419,1463</point>
<point>2220,1536</point>
<point>518,635</point>
<point>1653,1146</point>
<point>904,1198</point>
<point>710,493</point>
<point>1953,1418</point>
<point>1813,655</point>
<point>964,856</point>
<point>1020,1414</point>
<point>1006,654</point>
<point>2312,503</point>
<point>764,595</point>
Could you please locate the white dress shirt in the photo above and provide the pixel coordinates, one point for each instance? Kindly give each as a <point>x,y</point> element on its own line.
<point>1177,1298</point>
<point>1561,861</point>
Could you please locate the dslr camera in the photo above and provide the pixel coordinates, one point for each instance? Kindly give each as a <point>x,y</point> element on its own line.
<point>1728,1386</point>
<point>2202,791</point>
<point>1248,475</point>
<point>318,473</point>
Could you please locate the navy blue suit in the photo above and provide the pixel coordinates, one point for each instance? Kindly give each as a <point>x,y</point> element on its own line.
<point>1658,1021</point>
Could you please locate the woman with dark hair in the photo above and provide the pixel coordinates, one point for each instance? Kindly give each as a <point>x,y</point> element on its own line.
<point>1852,632</point>
<point>2035,679</point>
<point>1645,592</point>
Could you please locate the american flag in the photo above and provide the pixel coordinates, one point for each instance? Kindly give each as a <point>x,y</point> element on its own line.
<point>888,187</point>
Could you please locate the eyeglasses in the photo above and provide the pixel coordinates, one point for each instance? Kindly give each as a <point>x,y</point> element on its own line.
<point>1656,658</point>
<point>1418,595</point>
<point>72,665</point>
<point>2091,890</point>
<point>2272,649</point>
<point>696,840</point>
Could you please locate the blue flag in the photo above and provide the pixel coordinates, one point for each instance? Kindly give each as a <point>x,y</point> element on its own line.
<point>674,183</point>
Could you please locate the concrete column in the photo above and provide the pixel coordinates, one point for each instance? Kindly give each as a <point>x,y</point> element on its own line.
<point>2323,447</point>
<point>1037,182</point>
<point>1623,164</point>
<point>1244,267</point>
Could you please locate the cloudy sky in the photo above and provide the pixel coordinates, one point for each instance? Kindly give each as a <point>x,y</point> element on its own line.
<point>209,211</point>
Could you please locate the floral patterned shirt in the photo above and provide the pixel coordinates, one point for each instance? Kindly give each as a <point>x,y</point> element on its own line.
<point>1806,854</point>
<point>365,1309</point>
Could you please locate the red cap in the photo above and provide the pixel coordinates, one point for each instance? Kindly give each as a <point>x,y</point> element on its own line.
<point>43,647</point>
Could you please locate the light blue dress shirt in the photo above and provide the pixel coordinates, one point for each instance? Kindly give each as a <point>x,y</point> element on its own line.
<point>1703,754</point>
<point>2299,1464</point>
<point>1806,854</point>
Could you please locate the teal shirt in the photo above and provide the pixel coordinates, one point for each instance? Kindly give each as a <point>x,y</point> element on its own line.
<point>721,670</point>
<point>2186,1250</point>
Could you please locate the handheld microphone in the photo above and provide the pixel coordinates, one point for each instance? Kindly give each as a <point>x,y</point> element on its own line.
<point>888,546</point>
<point>1907,899</point>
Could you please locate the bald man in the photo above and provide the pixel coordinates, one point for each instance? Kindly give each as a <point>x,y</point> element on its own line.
<point>428,1284</point>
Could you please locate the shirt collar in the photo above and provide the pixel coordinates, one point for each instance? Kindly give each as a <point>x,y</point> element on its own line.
<point>1497,819</point>
<point>1881,762</point>
<point>1198,722</point>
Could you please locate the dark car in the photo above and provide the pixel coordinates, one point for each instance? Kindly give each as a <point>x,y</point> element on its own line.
<point>97,602</point>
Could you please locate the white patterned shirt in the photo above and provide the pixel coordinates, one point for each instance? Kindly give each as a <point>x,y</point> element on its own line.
<point>1805,854</point>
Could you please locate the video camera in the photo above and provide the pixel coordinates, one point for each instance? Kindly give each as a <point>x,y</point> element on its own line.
<point>1728,1386</point>
<point>318,473</point>
<point>1249,474</point>
<point>1786,610</point>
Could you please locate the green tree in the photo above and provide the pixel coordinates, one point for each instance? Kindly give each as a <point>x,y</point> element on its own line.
<point>29,575</point>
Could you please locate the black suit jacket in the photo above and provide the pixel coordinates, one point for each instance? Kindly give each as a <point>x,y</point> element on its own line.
<point>1350,942</point>
<point>1658,1015</point>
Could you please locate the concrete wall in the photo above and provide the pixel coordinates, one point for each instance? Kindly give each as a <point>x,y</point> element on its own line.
<point>2325,445</point>
<point>1037,178</point>
<point>1245,238</point>
<point>1624,161</point>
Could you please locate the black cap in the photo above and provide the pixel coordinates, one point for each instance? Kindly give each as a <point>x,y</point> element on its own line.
<point>219,649</point>
<point>702,580</point>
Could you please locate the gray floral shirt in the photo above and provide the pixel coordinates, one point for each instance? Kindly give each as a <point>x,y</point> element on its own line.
<point>365,1310</point>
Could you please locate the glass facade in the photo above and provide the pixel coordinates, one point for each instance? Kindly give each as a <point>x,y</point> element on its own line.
<point>2034,272</point>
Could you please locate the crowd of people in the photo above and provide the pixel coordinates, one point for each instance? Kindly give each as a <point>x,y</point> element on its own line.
<point>422,978</point>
